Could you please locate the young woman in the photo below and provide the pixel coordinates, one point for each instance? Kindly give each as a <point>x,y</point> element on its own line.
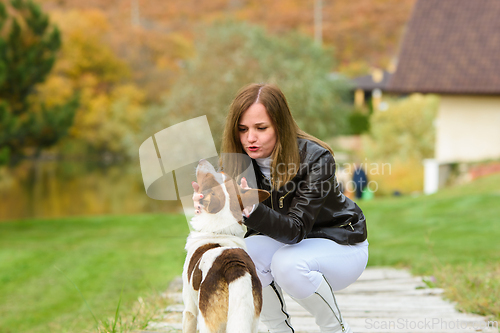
<point>307,237</point>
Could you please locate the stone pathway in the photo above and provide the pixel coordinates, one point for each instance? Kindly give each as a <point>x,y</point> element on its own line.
<point>382,300</point>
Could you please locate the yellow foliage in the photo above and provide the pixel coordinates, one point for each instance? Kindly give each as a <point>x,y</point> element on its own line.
<point>406,177</point>
<point>401,137</point>
<point>168,50</point>
<point>110,108</point>
<point>83,48</point>
<point>405,131</point>
<point>92,20</point>
<point>56,90</point>
<point>134,98</point>
<point>110,118</point>
<point>355,68</point>
<point>384,177</point>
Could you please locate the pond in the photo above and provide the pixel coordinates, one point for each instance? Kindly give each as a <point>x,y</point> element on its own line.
<point>59,188</point>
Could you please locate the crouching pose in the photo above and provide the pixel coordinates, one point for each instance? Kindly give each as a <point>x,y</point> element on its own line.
<point>307,238</point>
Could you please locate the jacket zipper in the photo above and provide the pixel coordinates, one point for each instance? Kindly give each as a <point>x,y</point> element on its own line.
<point>347,224</point>
<point>281,199</point>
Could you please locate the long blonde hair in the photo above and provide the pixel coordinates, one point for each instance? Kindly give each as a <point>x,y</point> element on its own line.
<point>285,155</point>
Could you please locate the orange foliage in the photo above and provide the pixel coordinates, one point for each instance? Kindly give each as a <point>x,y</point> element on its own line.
<point>362,31</point>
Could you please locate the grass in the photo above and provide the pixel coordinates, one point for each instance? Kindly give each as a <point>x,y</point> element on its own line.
<point>43,261</point>
<point>451,236</point>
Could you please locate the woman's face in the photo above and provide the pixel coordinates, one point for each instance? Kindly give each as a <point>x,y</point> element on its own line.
<point>257,133</point>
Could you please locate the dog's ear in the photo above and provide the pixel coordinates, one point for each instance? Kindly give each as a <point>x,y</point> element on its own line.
<point>213,203</point>
<point>253,196</point>
<point>214,197</point>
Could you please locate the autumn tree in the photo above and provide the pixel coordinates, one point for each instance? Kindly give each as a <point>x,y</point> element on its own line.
<point>405,131</point>
<point>110,104</point>
<point>231,55</point>
<point>28,48</point>
<point>399,139</point>
<point>365,33</point>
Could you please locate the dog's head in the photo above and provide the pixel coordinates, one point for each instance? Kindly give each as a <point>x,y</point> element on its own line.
<point>223,197</point>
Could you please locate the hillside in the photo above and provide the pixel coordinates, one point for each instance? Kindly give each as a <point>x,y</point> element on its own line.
<point>364,33</point>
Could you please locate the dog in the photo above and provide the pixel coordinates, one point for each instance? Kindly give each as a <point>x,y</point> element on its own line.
<point>221,289</point>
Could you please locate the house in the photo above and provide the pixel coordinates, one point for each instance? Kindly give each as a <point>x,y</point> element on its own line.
<point>452,48</point>
<point>370,87</point>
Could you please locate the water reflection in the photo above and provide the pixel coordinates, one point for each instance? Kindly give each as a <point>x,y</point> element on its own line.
<point>69,188</point>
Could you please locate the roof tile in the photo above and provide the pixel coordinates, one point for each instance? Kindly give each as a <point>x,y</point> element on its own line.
<point>450,46</point>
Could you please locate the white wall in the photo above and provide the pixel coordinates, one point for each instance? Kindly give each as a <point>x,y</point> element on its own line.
<point>468,129</point>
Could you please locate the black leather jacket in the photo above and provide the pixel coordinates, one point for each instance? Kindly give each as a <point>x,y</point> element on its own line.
<point>310,205</point>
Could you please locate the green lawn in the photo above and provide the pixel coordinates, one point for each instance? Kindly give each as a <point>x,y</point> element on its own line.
<point>100,255</point>
<point>452,235</point>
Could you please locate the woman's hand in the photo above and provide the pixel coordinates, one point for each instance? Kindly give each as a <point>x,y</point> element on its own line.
<point>244,186</point>
<point>196,198</point>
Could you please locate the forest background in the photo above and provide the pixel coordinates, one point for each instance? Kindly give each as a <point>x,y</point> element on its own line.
<point>116,72</point>
<point>133,63</point>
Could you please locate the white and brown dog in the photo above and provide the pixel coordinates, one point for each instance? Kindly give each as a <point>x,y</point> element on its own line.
<point>221,289</point>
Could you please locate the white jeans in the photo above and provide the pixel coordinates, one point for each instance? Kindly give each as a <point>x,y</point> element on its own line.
<point>298,268</point>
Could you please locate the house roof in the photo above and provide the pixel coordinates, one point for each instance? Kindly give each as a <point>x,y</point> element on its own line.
<point>367,82</point>
<point>450,47</point>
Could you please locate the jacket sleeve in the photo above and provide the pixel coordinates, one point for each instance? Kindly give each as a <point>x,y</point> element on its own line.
<point>310,195</point>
